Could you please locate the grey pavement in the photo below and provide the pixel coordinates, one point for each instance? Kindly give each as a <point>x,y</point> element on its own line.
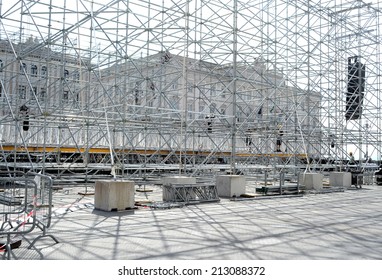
<point>337,225</point>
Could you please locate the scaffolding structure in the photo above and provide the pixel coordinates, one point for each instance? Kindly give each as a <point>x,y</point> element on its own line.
<point>132,87</point>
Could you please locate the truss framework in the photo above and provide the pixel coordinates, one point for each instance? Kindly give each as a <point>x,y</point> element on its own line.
<point>186,82</point>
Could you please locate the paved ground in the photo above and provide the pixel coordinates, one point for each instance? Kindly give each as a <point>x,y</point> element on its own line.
<point>339,225</point>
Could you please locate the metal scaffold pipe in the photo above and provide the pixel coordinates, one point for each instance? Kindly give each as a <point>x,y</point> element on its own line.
<point>192,84</point>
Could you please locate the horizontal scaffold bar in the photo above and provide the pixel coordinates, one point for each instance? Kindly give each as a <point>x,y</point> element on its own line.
<point>106,150</point>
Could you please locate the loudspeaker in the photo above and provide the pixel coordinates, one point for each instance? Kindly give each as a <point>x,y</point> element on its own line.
<point>355,88</point>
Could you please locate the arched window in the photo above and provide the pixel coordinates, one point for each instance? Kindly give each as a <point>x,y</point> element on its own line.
<point>43,71</point>
<point>66,73</point>
<point>23,67</point>
<point>1,65</point>
<point>42,94</point>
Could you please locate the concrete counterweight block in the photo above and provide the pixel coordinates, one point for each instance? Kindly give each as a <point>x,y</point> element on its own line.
<point>230,185</point>
<point>168,194</point>
<point>340,179</point>
<point>114,195</point>
<point>312,180</point>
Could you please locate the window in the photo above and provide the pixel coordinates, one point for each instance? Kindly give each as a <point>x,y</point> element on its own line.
<point>43,71</point>
<point>190,109</point>
<point>1,90</point>
<point>212,108</point>
<point>260,112</point>
<point>137,93</point>
<point>96,96</point>
<point>224,94</point>
<point>23,67</point>
<point>213,90</point>
<point>42,94</point>
<point>65,96</point>
<point>223,110</point>
<point>190,87</point>
<point>174,102</point>
<point>76,76</point>
<point>201,109</point>
<point>33,91</point>
<point>34,70</point>
<point>239,113</point>
<point>66,73</point>
<point>22,92</point>
<point>1,65</point>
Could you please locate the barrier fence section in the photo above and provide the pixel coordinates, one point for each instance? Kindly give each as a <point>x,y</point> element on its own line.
<point>25,204</point>
<point>44,205</point>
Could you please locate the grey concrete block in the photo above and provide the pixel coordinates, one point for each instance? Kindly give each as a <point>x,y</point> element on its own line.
<point>230,185</point>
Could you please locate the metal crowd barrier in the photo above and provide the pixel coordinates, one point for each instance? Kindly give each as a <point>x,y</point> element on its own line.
<point>44,205</point>
<point>368,178</point>
<point>25,204</point>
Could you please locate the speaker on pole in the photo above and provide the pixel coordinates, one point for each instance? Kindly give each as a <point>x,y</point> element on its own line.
<point>355,88</point>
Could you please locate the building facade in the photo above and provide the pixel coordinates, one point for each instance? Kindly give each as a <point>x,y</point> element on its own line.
<point>159,106</point>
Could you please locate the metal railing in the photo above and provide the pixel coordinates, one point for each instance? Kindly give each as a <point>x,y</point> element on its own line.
<point>25,204</point>
<point>43,205</point>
